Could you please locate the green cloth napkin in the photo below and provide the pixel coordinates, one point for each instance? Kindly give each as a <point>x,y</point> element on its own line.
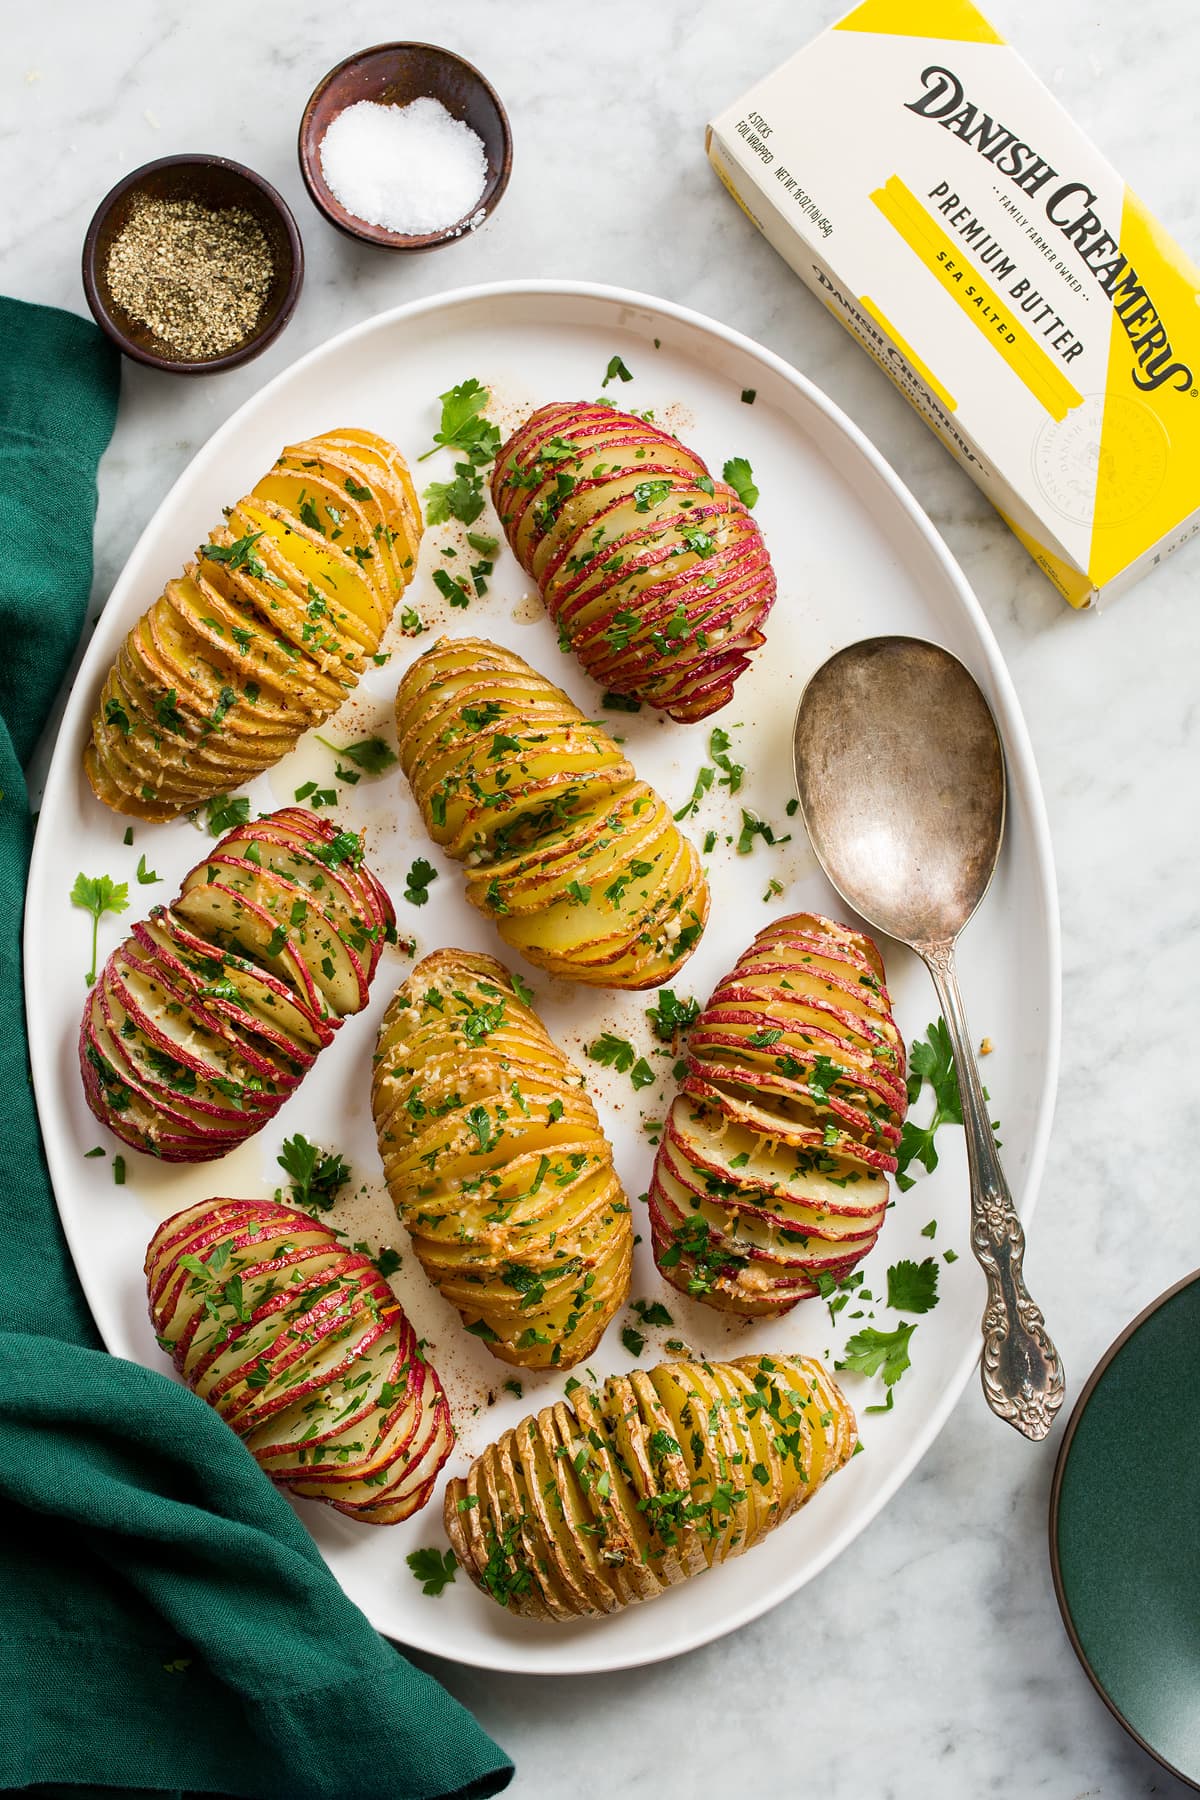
<point>166,1624</point>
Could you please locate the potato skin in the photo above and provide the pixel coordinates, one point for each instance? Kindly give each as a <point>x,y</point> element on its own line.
<point>613,1498</point>
<point>655,574</point>
<point>579,864</point>
<point>771,1171</point>
<point>497,1165</point>
<point>264,634</point>
<point>207,1017</point>
<point>301,1346</point>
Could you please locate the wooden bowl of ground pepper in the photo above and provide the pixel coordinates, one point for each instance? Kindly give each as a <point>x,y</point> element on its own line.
<point>192,264</point>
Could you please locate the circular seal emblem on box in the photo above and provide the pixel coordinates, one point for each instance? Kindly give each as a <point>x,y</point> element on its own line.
<point>1104,462</point>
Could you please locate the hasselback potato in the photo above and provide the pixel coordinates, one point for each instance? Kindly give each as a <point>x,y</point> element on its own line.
<point>580,864</point>
<point>264,634</point>
<point>301,1346</point>
<point>497,1165</point>
<point>617,1496</point>
<point>772,1167</point>
<point>214,1008</point>
<point>655,574</point>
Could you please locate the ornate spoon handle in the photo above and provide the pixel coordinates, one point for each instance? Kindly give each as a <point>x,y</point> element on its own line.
<point>1020,1368</point>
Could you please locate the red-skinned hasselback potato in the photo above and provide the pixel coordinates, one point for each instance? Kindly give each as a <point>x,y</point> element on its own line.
<point>655,573</point>
<point>301,1346</point>
<point>772,1168</point>
<point>214,1008</point>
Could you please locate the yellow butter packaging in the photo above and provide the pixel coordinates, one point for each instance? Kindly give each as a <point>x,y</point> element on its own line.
<point>916,174</point>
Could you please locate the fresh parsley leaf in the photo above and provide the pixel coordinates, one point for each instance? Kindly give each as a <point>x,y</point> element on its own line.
<point>874,1352</point>
<point>912,1286</point>
<point>460,499</point>
<point>372,755</point>
<point>616,371</point>
<point>633,1340</point>
<point>433,1569</point>
<point>464,426</point>
<point>931,1060</point>
<point>718,750</point>
<point>223,812</point>
<point>672,1015</point>
<point>317,1176</point>
<point>388,1261</point>
<point>146,877</point>
<point>652,1312</point>
<point>238,555</point>
<point>98,894</point>
<point>641,1074</point>
<point>740,476</point>
<point>613,1052</point>
<point>704,781</point>
<point>418,880</point>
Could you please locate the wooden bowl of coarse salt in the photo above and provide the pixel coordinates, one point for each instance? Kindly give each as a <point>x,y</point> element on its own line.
<point>406,146</point>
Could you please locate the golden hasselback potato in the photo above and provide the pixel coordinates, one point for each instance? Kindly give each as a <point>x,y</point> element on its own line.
<point>301,1346</point>
<point>497,1165</point>
<point>580,864</point>
<point>619,1495</point>
<point>264,634</point>
<point>772,1167</point>
<point>655,574</point>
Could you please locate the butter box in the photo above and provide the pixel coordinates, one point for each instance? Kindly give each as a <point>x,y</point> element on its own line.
<point>917,175</point>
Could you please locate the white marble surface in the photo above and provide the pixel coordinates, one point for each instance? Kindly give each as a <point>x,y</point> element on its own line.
<point>929,1663</point>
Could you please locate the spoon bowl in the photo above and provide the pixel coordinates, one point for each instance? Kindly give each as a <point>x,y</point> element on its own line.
<point>900,774</point>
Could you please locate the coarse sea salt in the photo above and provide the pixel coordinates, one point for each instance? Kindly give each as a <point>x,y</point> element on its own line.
<point>411,169</point>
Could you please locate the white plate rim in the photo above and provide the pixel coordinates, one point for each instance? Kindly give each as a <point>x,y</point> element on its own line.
<point>1022,774</point>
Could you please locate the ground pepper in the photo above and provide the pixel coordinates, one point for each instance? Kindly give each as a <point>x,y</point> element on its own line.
<point>197,276</point>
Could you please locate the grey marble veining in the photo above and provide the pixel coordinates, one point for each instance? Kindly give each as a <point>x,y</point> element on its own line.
<point>928,1663</point>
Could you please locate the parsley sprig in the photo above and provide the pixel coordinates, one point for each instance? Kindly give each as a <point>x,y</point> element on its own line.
<point>432,1568</point>
<point>931,1060</point>
<point>98,894</point>
<point>317,1176</point>
<point>464,428</point>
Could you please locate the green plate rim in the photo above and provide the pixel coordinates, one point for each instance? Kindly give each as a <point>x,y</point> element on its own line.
<point>1064,1450</point>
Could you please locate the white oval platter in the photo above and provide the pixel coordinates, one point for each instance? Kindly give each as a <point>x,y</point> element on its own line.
<point>855,556</point>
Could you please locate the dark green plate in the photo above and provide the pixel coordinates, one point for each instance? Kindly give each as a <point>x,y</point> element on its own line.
<point>1125,1529</point>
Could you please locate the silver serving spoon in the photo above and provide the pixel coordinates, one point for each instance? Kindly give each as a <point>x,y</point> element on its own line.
<point>900,774</point>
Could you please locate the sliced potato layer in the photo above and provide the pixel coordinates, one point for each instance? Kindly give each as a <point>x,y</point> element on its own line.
<point>497,1165</point>
<point>264,634</point>
<point>301,1346</point>
<point>655,574</point>
<point>770,1179</point>
<point>580,864</point>
<point>624,1493</point>
<point>213,1009</point>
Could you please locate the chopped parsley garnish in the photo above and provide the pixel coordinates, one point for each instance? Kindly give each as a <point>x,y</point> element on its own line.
<point>411,622</point>
<point>752,827</point>
<point>672,1015</point>
<point>704,781</point>
<point>633,1340</point>
<point>620,703</point>
<point>613,1052</point>
<point>433,1569</point>
<point>238,555</point>
<point>455,591</point>
<point>740,476</point>
<point>98,894</point>
<point>317,1176</point>
<point>223,812</point>
<point>718,750</point>
<point>931,1060</point>
<point>616,371</point>
<point>146,877</point>
<point>372,755</point>
<point>418,880</point>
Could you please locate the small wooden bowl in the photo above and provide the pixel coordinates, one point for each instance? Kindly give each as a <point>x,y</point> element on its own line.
<point>211,181</point>
<point>394,75</point>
